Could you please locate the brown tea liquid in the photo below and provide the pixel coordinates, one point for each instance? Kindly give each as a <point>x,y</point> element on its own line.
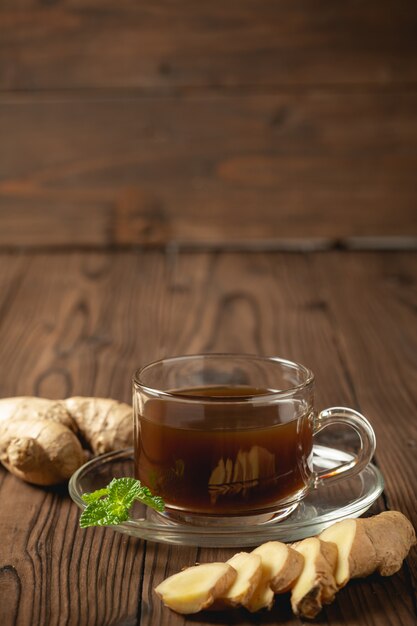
<point>222,457</point>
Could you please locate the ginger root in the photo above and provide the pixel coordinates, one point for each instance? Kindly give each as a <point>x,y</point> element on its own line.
<point>370,544</point>
<point>281,566</point>
<point>40,439</point>
<point>316,584</point>
<point>288,569</point>
<point>197,587</point>
<point>42,452</point>
<point>249,571</point>
<point>313,569</point>
<point>103,423</point>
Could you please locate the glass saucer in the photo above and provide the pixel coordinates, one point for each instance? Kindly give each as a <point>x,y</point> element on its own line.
<point>323,506</point>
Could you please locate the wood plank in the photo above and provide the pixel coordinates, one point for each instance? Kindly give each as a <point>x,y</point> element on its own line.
<point>176,44</point>
<point>80,323</point>
<point>53,573</point>
<point>12,271</point>
<point>84,318</point>
<point>316,166</point>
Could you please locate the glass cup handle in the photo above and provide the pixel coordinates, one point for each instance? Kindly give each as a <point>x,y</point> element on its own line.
<point>342,415</point>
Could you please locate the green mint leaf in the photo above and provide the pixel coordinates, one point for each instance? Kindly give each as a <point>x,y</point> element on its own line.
<point>95,495</point>
<point>101,514</point>
<point>124,490</point>
<point>110,506</point>
<point>155,502</point>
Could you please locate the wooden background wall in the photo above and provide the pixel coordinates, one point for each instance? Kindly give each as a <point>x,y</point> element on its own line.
<point>273,122</point>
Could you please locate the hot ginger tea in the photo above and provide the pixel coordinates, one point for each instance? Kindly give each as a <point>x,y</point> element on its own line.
<point>229,454</point>
<point>227,439</point>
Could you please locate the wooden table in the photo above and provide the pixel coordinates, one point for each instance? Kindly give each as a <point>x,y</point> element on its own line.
<point>182,176</point>
<point>81,322</point>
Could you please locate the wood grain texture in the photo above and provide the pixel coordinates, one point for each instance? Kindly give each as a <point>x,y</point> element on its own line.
<point>80,323</point>
<point>178,44</point>
<point>83,318</point>
<point>52,573</point>
<point>216,170</point>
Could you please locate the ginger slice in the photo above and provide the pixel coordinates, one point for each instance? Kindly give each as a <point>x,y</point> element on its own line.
<point>291,568</point>
<point>313,568</point>
<point>274,555</point>
<point>356,552</point>
<point>249,570</point>
<point>316,584</point>
<point>365,545</point>
<point>196,588</point>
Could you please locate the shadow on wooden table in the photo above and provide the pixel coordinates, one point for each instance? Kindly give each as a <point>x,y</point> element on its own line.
<point>280,614</point>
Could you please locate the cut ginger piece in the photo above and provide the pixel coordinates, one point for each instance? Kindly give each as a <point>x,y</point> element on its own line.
<point>374,543</point>
<point>292,564</point>
<point>249,570</point>
<point>279,570</point>
<point>356,553</point>
<point>313,569</point>
<point>196,587</point>
<point>316,584</point>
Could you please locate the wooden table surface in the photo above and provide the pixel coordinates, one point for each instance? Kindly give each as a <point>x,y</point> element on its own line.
<point>81,322</point>
<point>180,177</point>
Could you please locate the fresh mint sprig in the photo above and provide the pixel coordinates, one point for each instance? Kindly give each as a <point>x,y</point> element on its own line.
<point>110,506</point>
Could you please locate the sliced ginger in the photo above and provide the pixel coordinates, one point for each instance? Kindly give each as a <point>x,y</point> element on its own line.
<point>313,569</point>
<point>197,587</point>
<point>316,584</point>
<point>248,567</point>
<point>378,543</point>
<point>356,553</point>
<point>292,563</point>
<point>279,566</point>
